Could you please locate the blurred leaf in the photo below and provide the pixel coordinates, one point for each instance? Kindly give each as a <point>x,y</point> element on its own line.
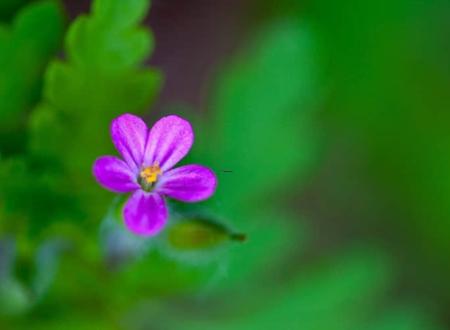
<point>47,122</point>
<point>120,246</point>
<point>404,318</point>
<point>333,296</point>
<point>263,133</point>
<point>7,256</point>
<point>263,137</point>
<point>25,49</point>
<point>33,196</point>
<point>9,7</point>
<point>391,101</point>
<point>342,294</point>
<point>24,282</point>
<point>14,297</point>
<point>47,260</point>
<point>271,236</point>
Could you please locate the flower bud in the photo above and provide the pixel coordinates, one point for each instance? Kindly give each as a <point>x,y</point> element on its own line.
<point>200,233</point>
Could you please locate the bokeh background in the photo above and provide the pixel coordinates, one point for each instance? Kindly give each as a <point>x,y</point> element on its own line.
<point>327,123</point>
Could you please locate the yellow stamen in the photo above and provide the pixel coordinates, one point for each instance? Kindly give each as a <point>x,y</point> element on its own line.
<point>150,173</point>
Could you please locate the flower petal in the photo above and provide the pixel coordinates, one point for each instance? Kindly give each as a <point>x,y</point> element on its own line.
<point>190,183</point>
<point>114,174</point>
<point>168,142</point>
<point>129,135</point>
<point>145,214</point>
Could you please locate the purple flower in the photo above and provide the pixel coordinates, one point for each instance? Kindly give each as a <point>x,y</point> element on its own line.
<point>147,170</point>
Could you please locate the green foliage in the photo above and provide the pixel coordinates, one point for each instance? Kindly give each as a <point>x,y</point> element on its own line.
<point>256,113</point>
<point>9,7</point>
<point>100,79</point>
<point>51,191</point>
<point>34,196</point>
<point>264,133</point>
<point>341,294</point>
<point>14,298</point>
<point>405,317</point>
<point>262,129</point>
<point>24,282</point>
<point>156,270</point>
<point>25,49</point>
<point>391,78</point>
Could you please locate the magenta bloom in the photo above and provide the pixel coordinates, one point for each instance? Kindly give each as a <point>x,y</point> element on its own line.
<point>147,170</point>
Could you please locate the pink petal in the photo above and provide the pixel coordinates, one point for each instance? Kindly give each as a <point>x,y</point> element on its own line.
<point>190,183</point>
<point>114,174</point>
<point>129,135</point>
<point>168,142</point>
<point>145,213</point>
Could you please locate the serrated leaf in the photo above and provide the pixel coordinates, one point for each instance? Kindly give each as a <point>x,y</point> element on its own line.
<point>108,40</point>
<point>100,78</point>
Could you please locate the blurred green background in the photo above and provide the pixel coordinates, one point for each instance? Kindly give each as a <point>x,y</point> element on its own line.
<point>327,123</point>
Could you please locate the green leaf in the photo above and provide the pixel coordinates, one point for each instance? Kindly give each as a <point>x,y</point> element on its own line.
<point>47,262</point>
<point>263,132</point>
<point>108,40</point>
<point>7,256</point>
<point>120,246</point>
<point>405,317</point>
<point>101,77</point>
<point>34,195</point>
<point>14,298</point>
<point>334,295</point>
<point>341,294</point>
<point>389,108</point>
<point>26,280</point>
<point>25,49</point>
<point>9,7</point>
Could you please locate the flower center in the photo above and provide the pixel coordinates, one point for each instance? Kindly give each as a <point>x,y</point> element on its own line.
<point>148,176</point>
